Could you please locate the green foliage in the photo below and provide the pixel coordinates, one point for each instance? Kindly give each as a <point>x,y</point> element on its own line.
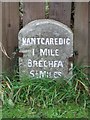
<point>47,93</point>
<point>61,111</point>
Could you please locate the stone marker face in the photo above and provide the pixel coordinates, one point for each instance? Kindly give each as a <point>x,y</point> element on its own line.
<point>46,46</point>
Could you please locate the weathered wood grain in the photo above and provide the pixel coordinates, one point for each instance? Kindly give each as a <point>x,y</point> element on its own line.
<point>89,36</point>
<point>32,11</point>
<point>10,28</point>
<point>0,37</point>
<point>81,32</point>
<point>60,11</point>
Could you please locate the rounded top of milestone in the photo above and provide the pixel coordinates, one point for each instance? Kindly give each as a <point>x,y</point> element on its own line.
<point>41,22</point>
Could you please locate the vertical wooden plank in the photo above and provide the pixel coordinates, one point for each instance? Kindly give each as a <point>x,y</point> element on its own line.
<point>0,38</point>
<point>60,11</point>
<point>89,35</point>
<point>10,28</point>
<point>81,32</point>
<point>0,54</point>
<point>32,11</point>
<point>1,94</point>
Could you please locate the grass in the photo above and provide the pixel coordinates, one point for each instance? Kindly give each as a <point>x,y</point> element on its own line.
<point>47,98</point>
<point>62,111</point>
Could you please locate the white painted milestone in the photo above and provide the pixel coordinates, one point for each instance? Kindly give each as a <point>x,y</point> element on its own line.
<point>46,46</point>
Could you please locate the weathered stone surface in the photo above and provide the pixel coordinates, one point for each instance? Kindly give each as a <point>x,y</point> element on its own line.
<point>46,46</point>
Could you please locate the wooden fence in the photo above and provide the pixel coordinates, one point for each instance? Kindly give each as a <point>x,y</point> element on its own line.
<point>58,11</point>
<point>0,37</point>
